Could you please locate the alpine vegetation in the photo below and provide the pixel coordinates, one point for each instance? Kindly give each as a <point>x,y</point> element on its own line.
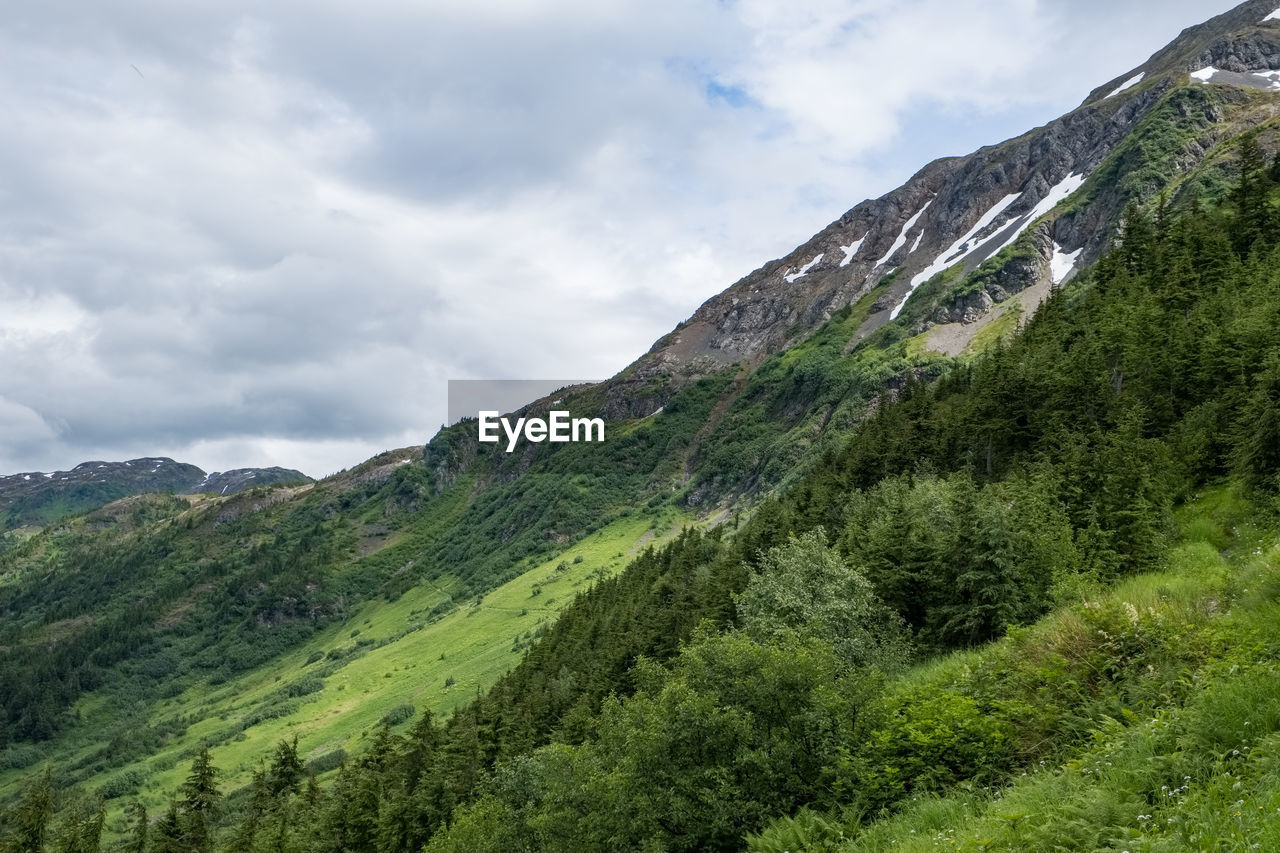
<point>956,528</point>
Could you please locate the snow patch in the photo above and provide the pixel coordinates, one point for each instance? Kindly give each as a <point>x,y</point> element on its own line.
<point>916,244</point>
<point>902,235</point>
<point>26,476</point>
<point>851,250</point>
<point>957,251</point>
<point>48,476</point>
<point>1056,195</point>
<point>1274,16</point>
<point>657,412</point>
<point>1059,193</point>
<point>1129,84</point>
<point>1263,79</point>
<point>804,270</point>
<point>1062,263</point>
<point>1271,78</point>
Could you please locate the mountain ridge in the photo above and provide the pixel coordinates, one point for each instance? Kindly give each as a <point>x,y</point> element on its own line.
<point>37,497</point>
<point>970,245</point>
<point>785,299</point>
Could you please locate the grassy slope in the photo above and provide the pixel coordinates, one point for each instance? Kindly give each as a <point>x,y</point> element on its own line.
<point>406,663</point>
<point>1195,767</point>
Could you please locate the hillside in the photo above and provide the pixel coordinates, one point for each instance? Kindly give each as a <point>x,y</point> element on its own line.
<point>1040,402</point>
<point>36,498</point>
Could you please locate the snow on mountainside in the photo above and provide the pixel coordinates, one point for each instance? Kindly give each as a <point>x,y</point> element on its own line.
<point>1032,193</point>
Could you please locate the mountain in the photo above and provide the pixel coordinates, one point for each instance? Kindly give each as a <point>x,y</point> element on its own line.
<point>37,498</point>
<point>1033,208</point>
<point>963,252</point>
<point>971,537</point>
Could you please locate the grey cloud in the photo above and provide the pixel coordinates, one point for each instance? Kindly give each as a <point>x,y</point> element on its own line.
<point>303,217</point>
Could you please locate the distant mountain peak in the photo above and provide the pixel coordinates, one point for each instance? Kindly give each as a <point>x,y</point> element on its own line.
<point>39,497</point>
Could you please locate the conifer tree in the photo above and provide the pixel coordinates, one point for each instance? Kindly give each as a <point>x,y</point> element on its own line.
<point>137,815</point>
<point>285,773</point>
<point>30,820</point>
<point>1253,212</point>
<point>1256,456</point>
<point>168,836</point>
<point>81,830</point>
<point>980,570</point>
<point>200,803</point>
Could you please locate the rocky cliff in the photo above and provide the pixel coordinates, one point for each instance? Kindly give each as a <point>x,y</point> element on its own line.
<point>1046,192</point>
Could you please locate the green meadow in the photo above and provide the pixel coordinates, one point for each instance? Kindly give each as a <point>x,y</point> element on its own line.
<point>387,662</point>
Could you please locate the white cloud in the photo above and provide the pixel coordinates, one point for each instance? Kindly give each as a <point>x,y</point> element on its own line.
<point>249,233</point>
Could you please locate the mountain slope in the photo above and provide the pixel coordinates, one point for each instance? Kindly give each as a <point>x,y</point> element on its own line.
<point>137,635</point>
<point>962,210</point>
<point>37,498</point>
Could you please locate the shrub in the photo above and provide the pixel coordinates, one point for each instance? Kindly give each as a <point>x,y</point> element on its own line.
<point>304,687</point>
<point>327,761</point>
<point>397,715</point>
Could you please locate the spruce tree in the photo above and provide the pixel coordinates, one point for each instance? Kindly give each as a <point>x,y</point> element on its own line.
<point>200,803</point>
<point>1256,454</point>
<point>137,815</point>
<point>285,772</point>
<point>30,820</point>
<point>1253,212</point>
<point>81,830</point>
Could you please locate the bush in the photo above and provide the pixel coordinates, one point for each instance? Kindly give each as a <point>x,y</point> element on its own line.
<point>927,743</point>
<point>326,762</point>
<point>19,756</point>
<point>122,785</point>
<point>303,687</point>
<point>397,715</point>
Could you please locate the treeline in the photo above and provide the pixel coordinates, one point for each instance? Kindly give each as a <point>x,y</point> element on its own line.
<point>723,681</point>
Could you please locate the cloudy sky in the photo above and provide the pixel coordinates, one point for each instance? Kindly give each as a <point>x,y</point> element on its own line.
<point>257,234</point>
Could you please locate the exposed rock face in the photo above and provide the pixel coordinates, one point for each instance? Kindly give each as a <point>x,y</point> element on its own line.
<point>968,308</point>
<point>998,285</point>
<point>1056,192</point>
<point>912,229</point>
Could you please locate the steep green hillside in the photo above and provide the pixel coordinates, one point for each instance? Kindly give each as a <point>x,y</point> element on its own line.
<point>474,650</point>
<point>1034,478</point>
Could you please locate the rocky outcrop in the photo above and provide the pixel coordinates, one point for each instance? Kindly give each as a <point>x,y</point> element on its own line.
<point>985,288</point>
<point>965,209</point>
